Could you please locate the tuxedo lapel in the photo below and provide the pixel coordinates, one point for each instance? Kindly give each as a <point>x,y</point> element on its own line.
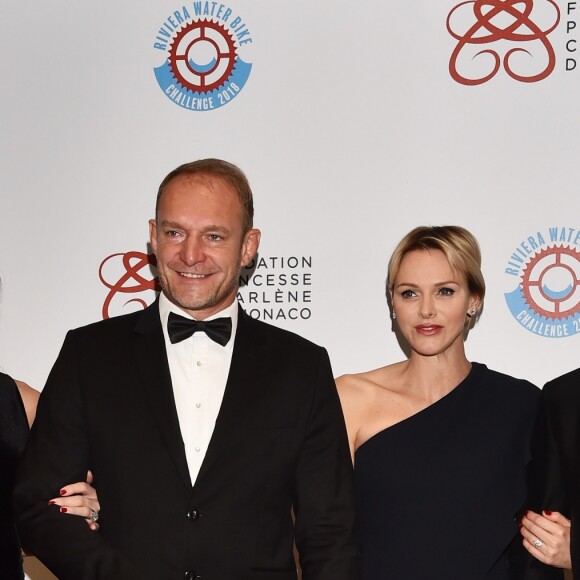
<point>151,357</point>
<point>245,383</point>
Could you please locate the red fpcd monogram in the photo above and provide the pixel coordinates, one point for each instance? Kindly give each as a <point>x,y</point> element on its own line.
<point>132,274</point>
<point>512,28</point>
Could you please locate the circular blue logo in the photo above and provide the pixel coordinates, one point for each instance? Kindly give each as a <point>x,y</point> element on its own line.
<point>203,56</point>
<point>546,299</point>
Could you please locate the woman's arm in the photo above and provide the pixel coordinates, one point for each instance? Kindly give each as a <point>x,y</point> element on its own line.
<point>29,398</point>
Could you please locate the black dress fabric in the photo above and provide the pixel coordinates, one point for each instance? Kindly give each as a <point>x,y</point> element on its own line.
<point>437,493</point>
<point>13,434</point>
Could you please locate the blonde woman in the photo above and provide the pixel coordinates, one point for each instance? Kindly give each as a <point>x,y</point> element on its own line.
<point>439,443</point>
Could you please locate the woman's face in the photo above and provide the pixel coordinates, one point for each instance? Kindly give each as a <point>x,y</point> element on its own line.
<point>431,302</point>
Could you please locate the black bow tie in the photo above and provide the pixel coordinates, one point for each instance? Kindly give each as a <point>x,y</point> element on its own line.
<point>179,328</point>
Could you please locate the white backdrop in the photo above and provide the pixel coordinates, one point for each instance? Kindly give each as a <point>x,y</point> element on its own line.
<point>353,125</point>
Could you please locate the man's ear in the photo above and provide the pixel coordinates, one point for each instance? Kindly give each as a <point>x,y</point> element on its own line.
<point>153,235</point>
<point>250,245</point>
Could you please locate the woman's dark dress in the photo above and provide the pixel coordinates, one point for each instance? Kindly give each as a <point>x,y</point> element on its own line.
<point>13,434</point>
<point>437,493</point>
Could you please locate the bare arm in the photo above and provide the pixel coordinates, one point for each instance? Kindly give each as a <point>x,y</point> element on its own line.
<point>349,409</point>
<point>29,397</point>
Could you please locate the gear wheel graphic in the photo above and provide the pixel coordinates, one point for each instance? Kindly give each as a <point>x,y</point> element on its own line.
<point>209,38</point>
<point>562,262</point>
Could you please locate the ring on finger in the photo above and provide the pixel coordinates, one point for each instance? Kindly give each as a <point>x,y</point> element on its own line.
<point>94,517</point>
<point>538,543</point>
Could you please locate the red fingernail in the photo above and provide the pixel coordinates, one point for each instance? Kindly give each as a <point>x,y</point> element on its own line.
<point>520,526</point>
<point>62,492</point>
<point>51,502</point>
<point>63,510</point>
<point>548,512</point>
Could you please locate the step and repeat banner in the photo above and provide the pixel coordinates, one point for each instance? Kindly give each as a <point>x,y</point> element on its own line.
<point>354,122</point>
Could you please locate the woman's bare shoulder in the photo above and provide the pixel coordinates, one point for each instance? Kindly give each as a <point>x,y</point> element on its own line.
<point>371,401</point>
<point>367,383</point>
<point>372,377</point>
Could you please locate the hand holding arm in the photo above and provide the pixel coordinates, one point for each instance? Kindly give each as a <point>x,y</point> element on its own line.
<point>546,536</point>
<point>80,499</point>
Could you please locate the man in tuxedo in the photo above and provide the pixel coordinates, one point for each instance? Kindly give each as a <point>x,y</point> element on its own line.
<point>554,484</point>
<point>203,427</point>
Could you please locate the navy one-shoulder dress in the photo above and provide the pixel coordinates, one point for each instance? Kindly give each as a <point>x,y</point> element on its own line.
<point>438,493</point>
<point>13,434</point>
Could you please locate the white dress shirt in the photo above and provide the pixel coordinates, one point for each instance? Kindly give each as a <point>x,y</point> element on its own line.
<point>199,370</point>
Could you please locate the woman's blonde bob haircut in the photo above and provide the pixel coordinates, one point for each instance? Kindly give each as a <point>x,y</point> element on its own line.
<point>459,246</point>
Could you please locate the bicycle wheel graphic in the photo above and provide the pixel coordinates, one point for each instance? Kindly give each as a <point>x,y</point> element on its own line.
<point>551,283</point>
<point>202,56</point>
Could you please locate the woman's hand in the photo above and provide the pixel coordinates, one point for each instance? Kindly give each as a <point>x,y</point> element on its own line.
<point>547,537</point>
<point>80,499</point>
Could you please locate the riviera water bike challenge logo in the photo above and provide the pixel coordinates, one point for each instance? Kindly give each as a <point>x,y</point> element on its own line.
<point>204,46</point>
<point>508,34</point>
<point>545,269</point>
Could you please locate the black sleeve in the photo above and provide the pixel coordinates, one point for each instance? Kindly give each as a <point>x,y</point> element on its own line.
<point>57,453</point>
<point>324,491</point>
<point>545,492</point>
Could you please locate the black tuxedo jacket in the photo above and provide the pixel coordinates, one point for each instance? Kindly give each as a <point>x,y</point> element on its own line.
<point>279,443</point>
<point>554,477</point>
